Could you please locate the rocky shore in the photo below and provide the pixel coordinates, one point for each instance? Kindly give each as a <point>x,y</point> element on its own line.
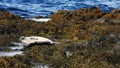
<point>89,38</point>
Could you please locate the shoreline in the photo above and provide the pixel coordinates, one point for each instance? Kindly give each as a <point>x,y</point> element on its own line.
<point>85,36</point>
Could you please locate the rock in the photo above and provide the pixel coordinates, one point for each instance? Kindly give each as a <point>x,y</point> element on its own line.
<point>113,34</point>
<point>117,48</point>
<point>101,20</point>
<point>118,42</point>
<point>39,65</point>
<point>39,17</point>
<point>117,11</point>
<point>68,53</point>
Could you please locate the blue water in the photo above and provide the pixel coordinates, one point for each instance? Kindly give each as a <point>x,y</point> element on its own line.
<point>32,8</point>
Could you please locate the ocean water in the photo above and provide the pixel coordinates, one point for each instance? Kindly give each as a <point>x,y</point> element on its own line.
<point>32,8</point>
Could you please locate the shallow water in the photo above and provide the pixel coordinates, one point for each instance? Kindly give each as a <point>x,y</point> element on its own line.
<point>12,53</point>
<point>32,8</point>
<point>16,47</point>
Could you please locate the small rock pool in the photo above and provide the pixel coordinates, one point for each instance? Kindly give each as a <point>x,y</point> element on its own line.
<point>11,53</point>
<point>13,50</point>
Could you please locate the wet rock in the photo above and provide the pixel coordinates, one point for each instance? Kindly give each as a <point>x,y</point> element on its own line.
<point>1,48</point>
<point>5,49</point>
<point>113,37</point>
<point>118,42</point>
<point>116,21</point>
<point>113,16</point>
<point>114,34</point>
<point>68,53</point>
<point>117,11</point>
<point>112,52</point>
<point>117,48</point>
<point>39,17</point>
<point>7,15</point>
<point>39,65</point>
<point>106,21</point>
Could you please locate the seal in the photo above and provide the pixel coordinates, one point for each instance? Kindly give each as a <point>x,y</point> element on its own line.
<point>32,40</point>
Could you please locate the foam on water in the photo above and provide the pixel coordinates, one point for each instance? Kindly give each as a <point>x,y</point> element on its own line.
<point>32,8</point>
